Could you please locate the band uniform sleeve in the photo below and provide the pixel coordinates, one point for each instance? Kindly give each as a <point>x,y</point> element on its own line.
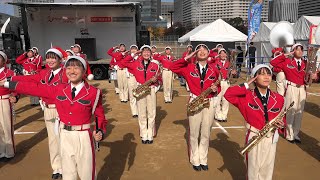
<point>278,61</point>
<point>33,89</point>
<point>110,52</point>
<point>128,62</point>
<point>20,59</point>
<point>179,66</point>
<point>236,95</point>
<point>30,78</point>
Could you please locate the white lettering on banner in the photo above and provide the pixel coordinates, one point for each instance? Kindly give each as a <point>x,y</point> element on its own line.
<point>66,19</point>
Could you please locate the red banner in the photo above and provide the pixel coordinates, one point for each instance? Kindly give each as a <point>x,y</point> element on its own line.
<point>101,19</point>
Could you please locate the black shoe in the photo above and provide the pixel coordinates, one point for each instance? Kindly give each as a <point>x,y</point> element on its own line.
<point>298,141</point>
<point>291,141</point>
<point>144,142</point>
<point>125,101</point>
<point>197,168</point>
<point>135,116</point>
<point>5,159</point>
<point>204,167</point>
<point>149,141</point>
<point>57,176</point>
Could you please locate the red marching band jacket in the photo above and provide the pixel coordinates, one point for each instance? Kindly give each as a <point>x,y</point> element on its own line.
<point>190,72</point>
<point>71,112</point>
<point>250,105</point>
<point>29,64</point>
<point>43,78</point>
<point>137,69</point>
<point>165,61</point>
<point>118,56</point>
<point>290,68</point>
<point>224,69</point>
<point>3,75</point>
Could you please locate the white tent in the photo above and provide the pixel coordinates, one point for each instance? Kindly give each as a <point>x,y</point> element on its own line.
<point>186,37</point>
<point>262,42</point>
<point>302,27</point>
<point>217,31</point>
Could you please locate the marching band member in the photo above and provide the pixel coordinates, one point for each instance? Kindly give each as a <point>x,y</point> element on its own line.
<point>294,70</point>
<point>280,77</point>
<point>7,147</point>
<point>188,51</point>
<point>121,72</point>
<point>50,77</point>
<point>114,66</point>
<point>258,106</point>
<point>167,75</point>
<point>37,55</point>
<point>75,102</point>
<point>146,69</point>
<point>155,54</point>
<point>132,82</point>
<point>214,52</point>
<point>70,52</point>
<point>200,77</point>
<point>182,80</point>
<point>31,65</point>
<point>77,51</point>
<point>223,105</point>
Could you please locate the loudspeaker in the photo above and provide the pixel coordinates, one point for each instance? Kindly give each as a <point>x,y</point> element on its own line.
<point>144,38</point>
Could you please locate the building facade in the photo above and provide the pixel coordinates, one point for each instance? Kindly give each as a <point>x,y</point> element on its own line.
<point>166,8</point>
<point>308,8</point>
<point>195,12</point>
<point>284,10</point>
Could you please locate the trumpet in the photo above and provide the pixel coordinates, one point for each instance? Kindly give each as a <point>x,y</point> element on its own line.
<point>268,128</point>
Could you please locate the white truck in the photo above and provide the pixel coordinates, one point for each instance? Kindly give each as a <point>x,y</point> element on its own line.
<point>95,26</point>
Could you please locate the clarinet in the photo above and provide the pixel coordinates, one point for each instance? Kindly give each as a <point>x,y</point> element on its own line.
<point>97,130</point>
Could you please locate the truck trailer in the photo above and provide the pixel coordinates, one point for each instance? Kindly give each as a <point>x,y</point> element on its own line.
<point>94,26</point>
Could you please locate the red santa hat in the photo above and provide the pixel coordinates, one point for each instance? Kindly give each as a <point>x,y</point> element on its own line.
<point>58,51</point>
<point>4,56</point>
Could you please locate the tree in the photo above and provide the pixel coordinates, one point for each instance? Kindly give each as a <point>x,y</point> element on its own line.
<point>239,24</point>
<point>176,29</point>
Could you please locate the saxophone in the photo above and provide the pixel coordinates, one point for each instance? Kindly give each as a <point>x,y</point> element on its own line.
<point>201,101</point>
<point>270,127</point>
<point>311,64</point>
<point>232,66</point>
<point>142,90</point>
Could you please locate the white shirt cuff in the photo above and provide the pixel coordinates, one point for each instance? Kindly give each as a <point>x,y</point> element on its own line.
<point>246,85</point>
<point>6,84</point>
